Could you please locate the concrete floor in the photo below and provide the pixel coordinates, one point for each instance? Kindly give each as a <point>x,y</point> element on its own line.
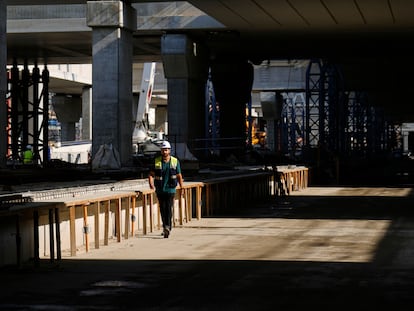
<point>325,247</point>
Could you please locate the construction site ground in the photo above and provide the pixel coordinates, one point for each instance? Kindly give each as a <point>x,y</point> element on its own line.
<point>333,248</point>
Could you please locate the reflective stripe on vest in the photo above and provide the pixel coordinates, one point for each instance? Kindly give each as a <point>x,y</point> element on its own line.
<point>173,163</point>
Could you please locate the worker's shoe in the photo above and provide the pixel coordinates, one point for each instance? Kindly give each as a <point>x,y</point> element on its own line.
<point>166,233</point>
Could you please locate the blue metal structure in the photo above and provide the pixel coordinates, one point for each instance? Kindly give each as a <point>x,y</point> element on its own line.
<point>293,124</point>
<point>342,122</point>
<point>212,124</point>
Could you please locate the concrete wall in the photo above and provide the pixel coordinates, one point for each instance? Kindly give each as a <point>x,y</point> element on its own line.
<point>8,253</point>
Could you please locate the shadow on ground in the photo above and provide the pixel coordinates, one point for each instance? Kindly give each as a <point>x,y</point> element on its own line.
<point>234,284</point>
<point>204,285</point>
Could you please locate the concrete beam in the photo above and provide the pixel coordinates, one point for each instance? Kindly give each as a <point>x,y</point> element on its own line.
<point>182,57</point>
<point>280,76</point>
<point>111,14</point>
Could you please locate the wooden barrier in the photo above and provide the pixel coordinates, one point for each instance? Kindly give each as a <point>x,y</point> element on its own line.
<point>119,202</point>
<point>150,209</point>
<point>199,199</point>
<point>291,178</point>
<point>85,202</point>
<point>191,190</point>
<point>147,198</point>
<point>236,191</point>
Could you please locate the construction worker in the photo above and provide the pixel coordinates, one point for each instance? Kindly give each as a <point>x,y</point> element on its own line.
<point>28,155</point>
<point>164,178</point>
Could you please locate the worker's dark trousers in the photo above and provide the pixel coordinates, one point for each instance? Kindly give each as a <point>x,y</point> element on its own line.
<point>166,202</point>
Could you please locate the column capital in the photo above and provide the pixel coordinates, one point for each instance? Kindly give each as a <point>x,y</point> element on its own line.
<point>183,57</point>
<point>117,14</point>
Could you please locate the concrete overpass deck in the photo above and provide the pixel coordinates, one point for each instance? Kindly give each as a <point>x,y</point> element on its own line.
<point>319,247</point>
<point>350,34</point>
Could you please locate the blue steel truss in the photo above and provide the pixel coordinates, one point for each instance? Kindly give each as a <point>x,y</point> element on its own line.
<point>293,124</point>
<point>367,131</point>
<point>212,124</point>
<point>314,99</point>
<point>342,122</point>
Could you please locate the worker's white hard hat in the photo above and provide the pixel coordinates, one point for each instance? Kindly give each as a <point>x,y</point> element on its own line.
<point>29,147</point>
<point>165,145</point>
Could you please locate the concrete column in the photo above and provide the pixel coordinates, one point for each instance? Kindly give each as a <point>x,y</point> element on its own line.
<point>272,105</point>
<point>3,83</point>
<point>232,81</point>
<point>68,112</point>
<point>112,23</point>
<point>86,113</point>
<point>161,119</point>
<point>186,69</point>
<point>68,131</point>
<point>405,141</point>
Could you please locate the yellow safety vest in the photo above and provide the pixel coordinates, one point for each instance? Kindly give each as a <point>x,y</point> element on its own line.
<point>28,157</point>
<point>172,174</point>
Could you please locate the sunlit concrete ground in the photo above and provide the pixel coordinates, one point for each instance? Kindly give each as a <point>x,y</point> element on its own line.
<point>319,247</point>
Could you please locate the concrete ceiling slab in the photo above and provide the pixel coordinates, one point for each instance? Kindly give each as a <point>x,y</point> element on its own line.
<point>372,39</point>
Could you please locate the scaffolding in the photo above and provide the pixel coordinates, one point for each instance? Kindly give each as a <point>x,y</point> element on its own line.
<point>27,101</point>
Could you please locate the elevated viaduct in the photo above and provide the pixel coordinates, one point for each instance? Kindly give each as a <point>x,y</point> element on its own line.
<point>359,52</point>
